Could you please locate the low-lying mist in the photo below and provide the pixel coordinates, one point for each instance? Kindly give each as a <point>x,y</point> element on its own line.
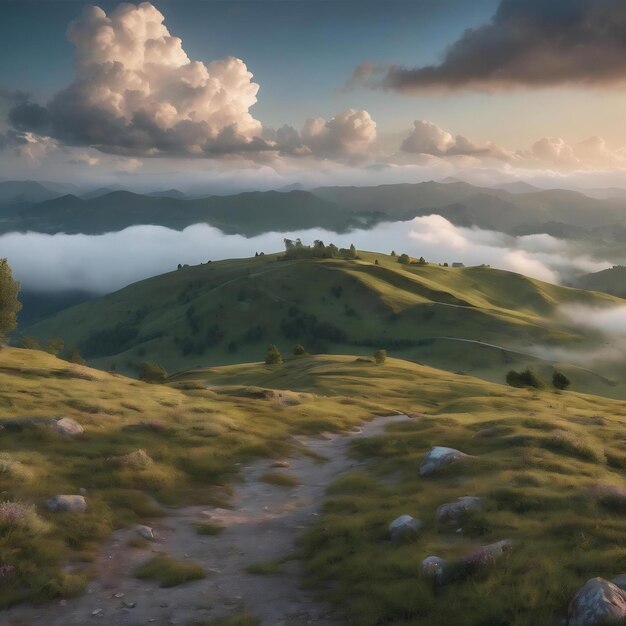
<point>606,326</point>
<point>104,263</point>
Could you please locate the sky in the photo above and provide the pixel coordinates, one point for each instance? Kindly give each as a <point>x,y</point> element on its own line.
<point>174,92</point>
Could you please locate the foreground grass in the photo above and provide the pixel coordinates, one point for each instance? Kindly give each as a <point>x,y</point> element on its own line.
<point>536,454</point>
<point>535,457</point>
<point>169,572</point>
<point>192,438</point>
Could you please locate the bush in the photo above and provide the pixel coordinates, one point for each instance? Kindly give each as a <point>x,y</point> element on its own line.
<point>151,373</point>
<point>526,378</point>
<point>560,381</point>
<point>380,356</point>
<point>73,356</point>
<point>54,345</point>
<point>29,343</point>
<point>169,572</point>
<point>298,350</point>
<point>404,259</point>
<point>273,356</point>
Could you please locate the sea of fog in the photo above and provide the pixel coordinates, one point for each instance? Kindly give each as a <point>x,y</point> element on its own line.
<point>104,263</point>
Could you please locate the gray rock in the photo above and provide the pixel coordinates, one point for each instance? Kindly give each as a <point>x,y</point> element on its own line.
<point>620,581</point>
<point>477,561</point>
<point>438,457</point>
<point>68,427</point>
<point>433,567</point>
<point>73,504</point>
<point>145,531</point>
<point>452,512</point>
<point>404,527</point>
<point>598,602</point>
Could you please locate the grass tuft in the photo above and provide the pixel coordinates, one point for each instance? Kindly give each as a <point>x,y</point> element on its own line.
<point>169,572</point>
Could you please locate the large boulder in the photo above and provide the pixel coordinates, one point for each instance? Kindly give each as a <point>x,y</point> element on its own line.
<point>598,602</point>
<point>404,527</point>
<point>438,457</point>
<point>453,512</point>
<point>73,504</point>
<point>67,427</point>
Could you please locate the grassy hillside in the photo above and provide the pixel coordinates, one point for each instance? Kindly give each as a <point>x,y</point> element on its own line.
<point>537,457</point>
<point>193,437</point>
<point>611,281</point>
<point>544,452</point>
<point>472,320</point>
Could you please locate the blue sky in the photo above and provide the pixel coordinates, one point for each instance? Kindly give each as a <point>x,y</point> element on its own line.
<point>301,52</point>
<point>544,100</point>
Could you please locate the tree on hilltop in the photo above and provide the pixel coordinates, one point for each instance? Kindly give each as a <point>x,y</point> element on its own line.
<point>9,304</point>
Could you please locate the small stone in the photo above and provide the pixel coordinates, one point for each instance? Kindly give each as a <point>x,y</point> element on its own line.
<point>118,595</point>
<point>280,464</point>
<point>73,504</point>
<point>97,612</point>
<point>145,532</point>
<point>404,527</point>
<point>67,427</point>
<point>128,605</point>
<point>438,457</point>
<point>452,512</point>
<point>433,567</point>
<point>82,491</point>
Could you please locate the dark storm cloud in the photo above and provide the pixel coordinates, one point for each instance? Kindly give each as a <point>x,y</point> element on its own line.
<point>527,43</point>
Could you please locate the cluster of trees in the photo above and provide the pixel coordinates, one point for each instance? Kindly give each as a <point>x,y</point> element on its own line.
<point>302,325</point>
<point>405,259</point>
<point>297,250</point>
<point>529,378</point>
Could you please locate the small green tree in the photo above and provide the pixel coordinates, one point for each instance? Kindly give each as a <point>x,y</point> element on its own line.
<point>73,356</point>
<point>298,350</point>
<point>526,378</point>
<point>273,356</point>
<point>560,381</point>
<point>54,345</point>
<point>404,259</point>
<point>380,356</point>
<point>393,253</point>
<point>29,343</point>
<point>151,373</point>
<point>9,304</point>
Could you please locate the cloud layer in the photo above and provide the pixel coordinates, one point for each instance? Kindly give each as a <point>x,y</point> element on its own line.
<point>103,263</point>
<point>527,43</point>
<point>137,92</point>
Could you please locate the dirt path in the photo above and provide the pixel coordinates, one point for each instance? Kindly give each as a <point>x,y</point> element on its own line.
<point>262,526</point>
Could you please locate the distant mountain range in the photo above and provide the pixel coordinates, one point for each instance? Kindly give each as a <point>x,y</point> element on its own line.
<point>517,209</point>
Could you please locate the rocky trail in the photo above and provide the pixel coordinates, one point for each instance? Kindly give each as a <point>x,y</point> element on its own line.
<point>262,526</point>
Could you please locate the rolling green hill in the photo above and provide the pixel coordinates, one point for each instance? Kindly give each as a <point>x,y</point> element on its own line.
<point>611,281</point>
<point>472,320</point>
<point>538,459</point>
